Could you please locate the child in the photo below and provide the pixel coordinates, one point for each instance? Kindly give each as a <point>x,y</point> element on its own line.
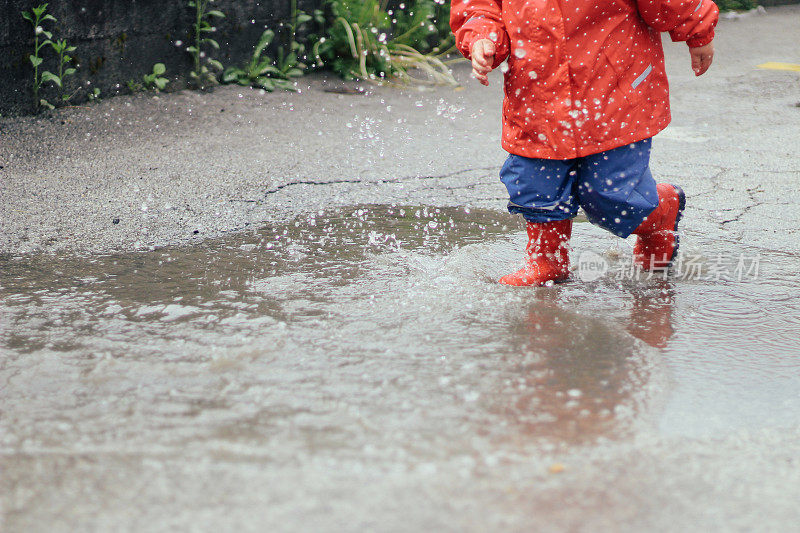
<point>585,91</point>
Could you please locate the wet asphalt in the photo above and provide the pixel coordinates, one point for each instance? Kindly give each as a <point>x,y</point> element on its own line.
<point>178,168</point>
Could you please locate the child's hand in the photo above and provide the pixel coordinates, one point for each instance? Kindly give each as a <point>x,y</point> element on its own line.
<point>701,58</point>
<point>482,59</point>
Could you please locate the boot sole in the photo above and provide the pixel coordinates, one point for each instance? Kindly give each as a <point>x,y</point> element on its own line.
<point>681,207</point>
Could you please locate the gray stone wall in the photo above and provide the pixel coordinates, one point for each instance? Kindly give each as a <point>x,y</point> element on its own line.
<point>120,40</point>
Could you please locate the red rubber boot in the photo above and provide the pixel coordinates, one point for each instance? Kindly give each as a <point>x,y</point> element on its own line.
<point>657,242</point>
<point>547,254</point>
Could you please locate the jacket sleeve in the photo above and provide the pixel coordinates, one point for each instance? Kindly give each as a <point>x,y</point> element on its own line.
<point>692,21</point>
<point>471,20</point>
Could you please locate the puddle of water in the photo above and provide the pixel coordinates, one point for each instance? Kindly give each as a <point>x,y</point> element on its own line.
<point>334,329</point>
<point>380,331</point>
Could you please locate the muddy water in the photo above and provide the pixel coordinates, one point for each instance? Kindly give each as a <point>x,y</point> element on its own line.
<point>378,335</point>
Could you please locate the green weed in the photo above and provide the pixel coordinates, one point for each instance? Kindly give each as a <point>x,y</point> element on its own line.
<point>155,81</point>
<point>63,50</point>
<point>735,5</point>
<point>359,44</point>
<point>204,73</point>
<point>424,25</point>
<point>267,73</point>
<point>260,71</point>
<point>134,86</point>
<point>38,16</point>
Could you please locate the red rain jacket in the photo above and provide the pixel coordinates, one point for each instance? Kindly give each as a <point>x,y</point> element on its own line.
<point>584,76</point>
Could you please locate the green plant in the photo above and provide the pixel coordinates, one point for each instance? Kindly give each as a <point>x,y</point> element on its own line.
<point>358,45</point>
<point>38,16</point>
<point>94,94</point>
<point>736,5</point>
<point>352,49</point>
<point>318,40</point>
<point>424,25</point>
<point>63,50</point>
<point>258,70</point>
<point>134,86</point>
<point>441,21</point>
<point>202,75</point>
<point>268,73</point>
<point>264,72</point>
<point>289,63</point>
<point>154,80</point>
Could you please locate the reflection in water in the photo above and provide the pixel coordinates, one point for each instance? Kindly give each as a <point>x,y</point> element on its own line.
<point>578,377</point>
<point>651,314</point>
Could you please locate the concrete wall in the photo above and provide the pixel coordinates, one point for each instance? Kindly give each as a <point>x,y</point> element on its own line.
<point>120,40</point>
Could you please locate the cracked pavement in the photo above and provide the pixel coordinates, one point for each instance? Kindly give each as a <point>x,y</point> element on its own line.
<point>143,171</point>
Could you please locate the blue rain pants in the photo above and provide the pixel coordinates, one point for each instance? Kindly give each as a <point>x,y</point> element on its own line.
<point>615,188</point>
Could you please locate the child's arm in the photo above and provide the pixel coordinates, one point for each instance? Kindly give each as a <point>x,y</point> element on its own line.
<point>692,21</point>
<point>480,34</point>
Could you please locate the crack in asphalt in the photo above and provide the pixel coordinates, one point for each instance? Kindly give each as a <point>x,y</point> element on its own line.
<point>290,184</point>
<point>753,203</point>
<point>385,180</point>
